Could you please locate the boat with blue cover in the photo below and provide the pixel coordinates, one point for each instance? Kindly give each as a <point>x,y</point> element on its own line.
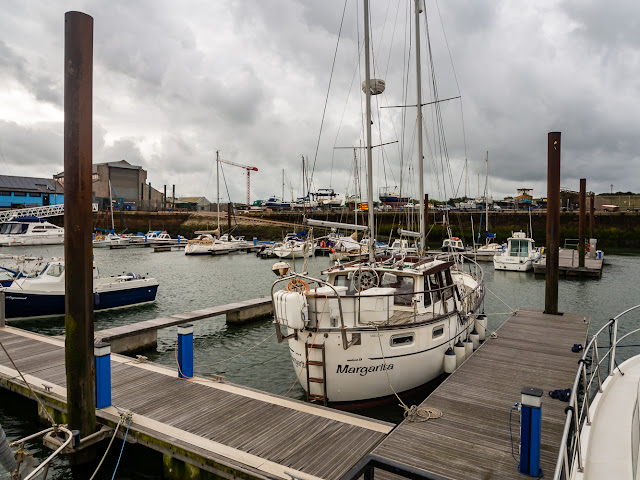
<point>43,294</point>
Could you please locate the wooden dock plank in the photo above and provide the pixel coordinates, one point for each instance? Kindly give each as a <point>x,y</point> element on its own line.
<point>239,427</point>
<point>472,439</point>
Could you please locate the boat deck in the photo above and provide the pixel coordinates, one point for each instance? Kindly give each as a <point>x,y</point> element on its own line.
<point>472,438</point>
<point>219,427</point>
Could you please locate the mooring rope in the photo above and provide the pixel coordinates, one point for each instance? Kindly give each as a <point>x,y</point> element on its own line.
<point>239,354</point>
<point>413,413</point>
<point>123,416</point>
<point>513,310</point>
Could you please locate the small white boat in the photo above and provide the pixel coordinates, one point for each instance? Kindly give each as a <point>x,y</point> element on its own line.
<point>294,248</point>
<point>43,295</point>
<point>402,247</point>
<point>519,254</point>
<point>601,438</point>
<point>30,231</point>
<point>201,245</point>
<point>453,244</point>
<point>105,241</point>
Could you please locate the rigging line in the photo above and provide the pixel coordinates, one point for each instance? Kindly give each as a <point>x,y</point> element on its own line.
<point>326,100</point>
<point>346,104</point>
<point>208,179</point>
<point>239,354</point>
<point>455,76</point>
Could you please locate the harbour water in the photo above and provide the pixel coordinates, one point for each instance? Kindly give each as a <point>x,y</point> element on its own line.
<point>250,355</point>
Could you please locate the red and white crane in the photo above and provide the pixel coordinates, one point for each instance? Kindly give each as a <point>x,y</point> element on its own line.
<point>248,168</point>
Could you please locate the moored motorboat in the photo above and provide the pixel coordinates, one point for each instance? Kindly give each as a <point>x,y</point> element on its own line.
<point>106,241</point>
<point>21,231</point>
<point>519,254</point>
<point>453,244</point>
<point>44,294</point>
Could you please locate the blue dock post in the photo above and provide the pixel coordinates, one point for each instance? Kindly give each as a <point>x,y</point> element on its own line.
<point>185,351</point>
<point>102,354</point>
<point>530,431</point>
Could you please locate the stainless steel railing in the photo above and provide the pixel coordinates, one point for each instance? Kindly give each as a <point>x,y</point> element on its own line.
<point>570,454</point>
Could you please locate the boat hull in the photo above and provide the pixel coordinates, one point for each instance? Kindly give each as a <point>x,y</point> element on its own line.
<point>374,369</point>
<point>517,265</point>
<point>24,304</point>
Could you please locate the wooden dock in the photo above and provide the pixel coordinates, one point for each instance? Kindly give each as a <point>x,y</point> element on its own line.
<point>569,265</point>
<point>472,440</point>
<point>222,428</point>
<point>144,335</point>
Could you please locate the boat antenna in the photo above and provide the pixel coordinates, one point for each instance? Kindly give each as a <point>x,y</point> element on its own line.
<point>368,103</point>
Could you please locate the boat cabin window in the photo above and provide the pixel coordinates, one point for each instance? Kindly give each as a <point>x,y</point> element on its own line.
<point>437,332</point>
<point>435,282</point>
<point>404,339</point>
<point>519,248</point>
<point>13,228</point>
<point>55,270</point>
<point>404,288</point>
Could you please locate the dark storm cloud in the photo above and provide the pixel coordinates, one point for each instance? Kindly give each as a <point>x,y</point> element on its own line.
<point>173,83</point>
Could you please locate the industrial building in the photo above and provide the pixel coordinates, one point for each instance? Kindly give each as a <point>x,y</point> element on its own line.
<point>129,187</point>
<point>24,192</point>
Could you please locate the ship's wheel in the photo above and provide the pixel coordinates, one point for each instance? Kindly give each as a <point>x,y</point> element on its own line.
<point>365,279</point>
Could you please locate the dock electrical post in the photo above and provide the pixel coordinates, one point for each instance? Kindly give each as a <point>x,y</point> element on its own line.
<point>78,253</point>
<point>530,431</point>
<point>185,351</point>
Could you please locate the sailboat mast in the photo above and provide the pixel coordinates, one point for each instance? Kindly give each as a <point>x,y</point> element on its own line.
<point>218,185</point>
<point>283,185</point>
<point>419,108</point>
<point>369,158</point>
<point>486,191</point>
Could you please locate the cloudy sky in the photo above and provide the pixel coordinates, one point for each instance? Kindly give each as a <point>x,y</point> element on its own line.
<point>176,81</point>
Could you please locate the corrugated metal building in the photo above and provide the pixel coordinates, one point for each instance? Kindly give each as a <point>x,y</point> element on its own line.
<point>129,187</point>
<point>22,192</point>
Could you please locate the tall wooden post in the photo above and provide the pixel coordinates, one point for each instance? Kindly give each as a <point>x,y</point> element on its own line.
<point>553,224</point>
<point>592,213</point>
<point>582,222</point>
<point>78,253</point>
<point>174,197</point>
<point>149,200</point>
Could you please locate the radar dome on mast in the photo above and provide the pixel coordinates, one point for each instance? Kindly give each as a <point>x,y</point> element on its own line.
<point>376,86</point>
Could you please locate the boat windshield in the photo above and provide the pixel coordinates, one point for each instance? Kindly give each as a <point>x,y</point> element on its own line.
<point>13,228</point>
<point>403,286</point>
<point>55,270</point>
<point>519,248</point>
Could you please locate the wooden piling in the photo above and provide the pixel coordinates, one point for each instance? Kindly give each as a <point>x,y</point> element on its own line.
<point>592,213</point>
<point>553,224</point>
<point>78,74</point>
<point>582,222</point>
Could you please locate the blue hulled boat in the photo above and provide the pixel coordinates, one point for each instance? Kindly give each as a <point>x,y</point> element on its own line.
<point>43,295</point>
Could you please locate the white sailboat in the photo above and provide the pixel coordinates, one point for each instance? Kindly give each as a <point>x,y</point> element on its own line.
<point>380,326</point>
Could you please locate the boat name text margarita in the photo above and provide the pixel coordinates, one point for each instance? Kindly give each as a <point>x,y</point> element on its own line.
<point>364,370</point>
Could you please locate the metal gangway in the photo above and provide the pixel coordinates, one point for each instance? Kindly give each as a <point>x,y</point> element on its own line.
<point>41,211</point>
